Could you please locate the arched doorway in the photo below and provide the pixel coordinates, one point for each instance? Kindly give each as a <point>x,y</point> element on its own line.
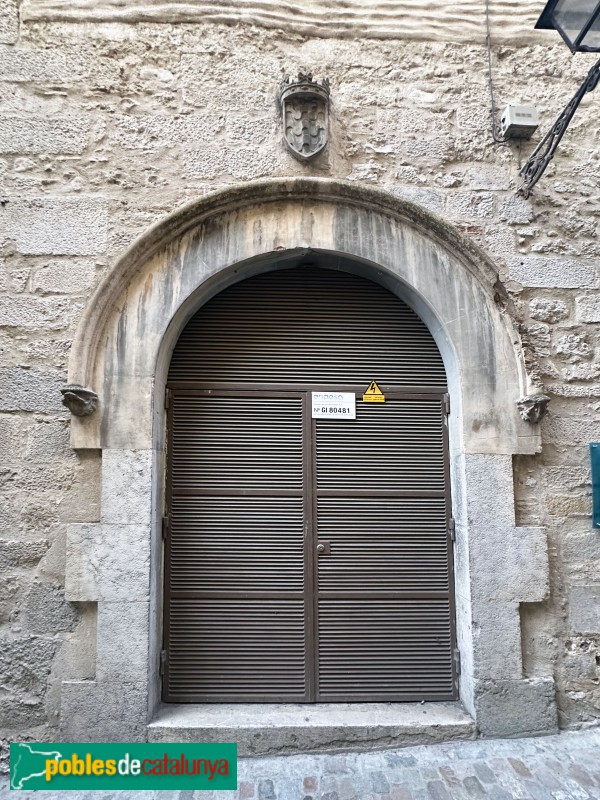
<point>122,350</point>
<point>308,555</point>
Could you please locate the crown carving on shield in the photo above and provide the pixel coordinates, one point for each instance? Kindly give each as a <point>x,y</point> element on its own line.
<point>304,107</point>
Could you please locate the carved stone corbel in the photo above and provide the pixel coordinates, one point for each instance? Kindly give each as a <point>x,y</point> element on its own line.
<point>533,407</point>
<point>80,401</point>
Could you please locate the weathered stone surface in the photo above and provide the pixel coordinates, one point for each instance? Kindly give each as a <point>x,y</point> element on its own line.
<point>9,21</point>
<point>108,562</point>
<point>69,226</point>
<point>25,663</point>
<point>30,389</point>
<point>64,277</point>
<point>584,609</point>
<point>46,611</point>
<point>123,634</point>
<point>126,487</point>
<point>573,347</point>
<point>56,66</point>
<point>548,310</point>
<point>516,708</point>
<point>341,18</point>
<point>103,712</point>
<point>488,176</point>
<point>48,440</point>
<point>327,727</point>
<point>587,308</point>
<point>515,210</point>
<point>45,135</point>
<point>33,312</point>
<point>428,198</point>
<point>550,273</point>
<point>21,554</point>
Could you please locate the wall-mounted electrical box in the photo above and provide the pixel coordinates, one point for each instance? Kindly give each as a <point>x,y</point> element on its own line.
<point>519,122</point>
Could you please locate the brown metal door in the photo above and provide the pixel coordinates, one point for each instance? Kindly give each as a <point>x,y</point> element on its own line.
<point>235,584</point>
<point>384,611</point>
<point>253,612</point>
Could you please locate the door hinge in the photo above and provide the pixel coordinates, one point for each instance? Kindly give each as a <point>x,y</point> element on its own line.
<point>167,398</point>
<point>456,657</point>
<point>452,529</point>
<point>447,405</point>
<point>164,659</point>
<point>166,527</point>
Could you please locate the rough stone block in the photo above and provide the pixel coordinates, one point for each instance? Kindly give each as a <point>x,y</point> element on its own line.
<point>10,590</point>
<point>127,487</point>
<point>552,273</point>
<point>571,430</point>
<point>508,709</point>
<point>103,712</point>
<point>21,554</point>
<point>43,135</point>
<point>244,162</point>
<point>490,491</point>
<point>11,438</point>
<point>509,564</point>
<point>152,132</point>
<point>496,641</point>
<point>108,562</point>
<point>31,389</point>
<point>123,635</point>
<point>48,440</point>
<point>428,198</point>
<point>64,277</point>
<point>9,21</point>
<point>550,311</point>
<point>55,226</point>
<point>581,372</point>
<point>584,609</point>
<point>587,308</point>
<point>46,611</point>
<point>25,664</point>
<point>489,176</point>
<point>55,66</point>
<point>475,205</point>
<point>52,313</point>
<point>515,210</point>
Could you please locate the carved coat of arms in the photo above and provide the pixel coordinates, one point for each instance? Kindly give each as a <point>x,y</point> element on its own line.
<point>304,105</point>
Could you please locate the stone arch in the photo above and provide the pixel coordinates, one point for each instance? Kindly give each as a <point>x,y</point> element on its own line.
<point>122,350</point>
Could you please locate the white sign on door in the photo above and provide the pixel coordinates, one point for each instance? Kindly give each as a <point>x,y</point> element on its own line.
<point>333,405</point>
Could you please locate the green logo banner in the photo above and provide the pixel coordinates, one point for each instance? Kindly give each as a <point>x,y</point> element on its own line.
<point>63,766</point>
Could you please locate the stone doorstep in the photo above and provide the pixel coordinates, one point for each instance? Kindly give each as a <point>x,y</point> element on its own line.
<point>267,729</point>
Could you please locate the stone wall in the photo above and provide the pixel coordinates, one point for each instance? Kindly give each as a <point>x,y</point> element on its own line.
<point>108,126</point>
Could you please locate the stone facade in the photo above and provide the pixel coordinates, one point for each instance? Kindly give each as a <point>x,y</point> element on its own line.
<point>108,125</point>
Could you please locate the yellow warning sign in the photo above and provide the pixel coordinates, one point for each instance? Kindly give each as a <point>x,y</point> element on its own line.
<point>373,394</point>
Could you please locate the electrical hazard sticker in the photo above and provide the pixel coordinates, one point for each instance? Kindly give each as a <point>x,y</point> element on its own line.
<point>373,394</point>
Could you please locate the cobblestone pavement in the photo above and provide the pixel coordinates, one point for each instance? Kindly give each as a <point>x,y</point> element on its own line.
<point>562,767</point>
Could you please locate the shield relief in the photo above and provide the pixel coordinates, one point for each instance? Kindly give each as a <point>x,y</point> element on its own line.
<point>304,106</point>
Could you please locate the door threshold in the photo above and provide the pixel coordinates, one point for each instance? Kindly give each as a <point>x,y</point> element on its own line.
<point>265,729</point>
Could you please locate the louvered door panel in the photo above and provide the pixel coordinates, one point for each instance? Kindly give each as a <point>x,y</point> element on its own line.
<point>390,544</point>
<point>307,326</point>
<point>236,650</point>
<point>246,543</point>
<point>396,445</point>
<point>236,607</point>
<point>384,604</point>
<point>385,650</point>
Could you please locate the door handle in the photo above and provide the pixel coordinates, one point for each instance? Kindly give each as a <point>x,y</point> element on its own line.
<point>324,548</point>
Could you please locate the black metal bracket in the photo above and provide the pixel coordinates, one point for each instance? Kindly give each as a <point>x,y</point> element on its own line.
<point>536,164</point>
